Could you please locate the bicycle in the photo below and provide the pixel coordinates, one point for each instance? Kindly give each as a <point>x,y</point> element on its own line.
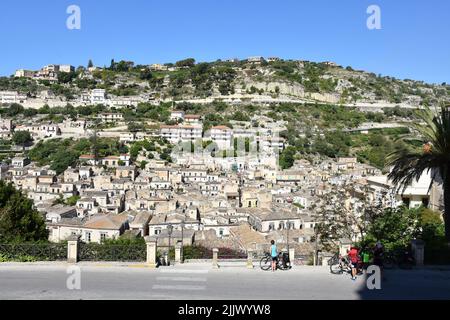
<point>339,265</point>
<point>283,262</point>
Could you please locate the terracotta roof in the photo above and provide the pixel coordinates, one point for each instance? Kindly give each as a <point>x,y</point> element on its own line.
<point>221,128</point>
<point>178,127</point>
<point>111,221</point>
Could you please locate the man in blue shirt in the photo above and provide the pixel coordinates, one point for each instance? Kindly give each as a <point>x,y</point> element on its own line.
<point>274,254</point>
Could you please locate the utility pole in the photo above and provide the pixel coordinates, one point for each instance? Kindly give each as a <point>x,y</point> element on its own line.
<point>287,240</point>
<point>316,247</point>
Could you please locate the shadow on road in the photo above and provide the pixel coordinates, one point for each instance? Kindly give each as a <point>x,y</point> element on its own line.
<point>416,284</point>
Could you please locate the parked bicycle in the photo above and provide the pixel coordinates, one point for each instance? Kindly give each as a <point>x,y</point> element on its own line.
<point>283,262</point>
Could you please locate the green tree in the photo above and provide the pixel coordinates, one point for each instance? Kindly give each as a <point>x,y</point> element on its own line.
<point>22,138</point>
<point>66,77</point>
<point>190,62</point>
<point>409,164</point>
<point>287,157</point>
<point>18,220</point>
<point>145,74</point>
<point>395,227</point>
<point>72,200</point>
<point>14,109</point>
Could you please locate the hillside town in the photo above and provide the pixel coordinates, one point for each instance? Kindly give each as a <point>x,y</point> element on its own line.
<point>220,187</point>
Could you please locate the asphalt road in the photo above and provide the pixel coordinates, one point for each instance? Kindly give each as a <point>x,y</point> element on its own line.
<point>201,282</point>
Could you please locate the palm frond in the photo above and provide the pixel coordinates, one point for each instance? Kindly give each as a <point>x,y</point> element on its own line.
<point>409,165</point>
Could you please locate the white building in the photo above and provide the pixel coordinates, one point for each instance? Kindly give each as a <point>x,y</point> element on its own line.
<point>158,67</point>
<point>222,136</point>
<point>415,195</point>
<point>192,119</point>
<point>175,134</point>
<point>98,96</point>
<point>97,228</point>
<point>66,68</point>
<point>22,73</point>
<point>12,97</point>
<point>177,115</point>
<point>5,128</point>
<point>110,117</point>
<point>256,59</point>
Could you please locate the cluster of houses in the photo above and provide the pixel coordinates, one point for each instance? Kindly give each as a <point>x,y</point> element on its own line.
<point>239,198</point>
<point>243,205</point>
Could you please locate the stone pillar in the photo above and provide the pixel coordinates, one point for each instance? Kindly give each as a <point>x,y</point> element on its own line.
<point>215,261</point>
<point>249,259</point>
<point>72,249</point>
<point>292,255</point>
<point>418,251</point>
<point>151,252</point>
<point>178,257</point>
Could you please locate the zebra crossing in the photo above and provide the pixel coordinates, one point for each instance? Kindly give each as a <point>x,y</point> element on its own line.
<point>181,280</point>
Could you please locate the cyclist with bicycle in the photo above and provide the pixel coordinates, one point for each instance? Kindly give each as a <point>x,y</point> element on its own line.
<point>354,260</point>
<point>274,255</point>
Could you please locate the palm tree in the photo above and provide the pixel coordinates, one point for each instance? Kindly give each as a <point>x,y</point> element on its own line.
<point>409,165</point>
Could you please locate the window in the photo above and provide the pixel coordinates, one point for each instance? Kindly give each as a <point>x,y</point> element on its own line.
<point>87,237</point>
<point>102,237</point>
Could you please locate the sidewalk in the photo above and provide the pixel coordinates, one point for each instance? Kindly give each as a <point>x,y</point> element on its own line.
<point>223,265</point>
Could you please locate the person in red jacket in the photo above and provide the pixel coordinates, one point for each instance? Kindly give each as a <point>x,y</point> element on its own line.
<point>353,255</point>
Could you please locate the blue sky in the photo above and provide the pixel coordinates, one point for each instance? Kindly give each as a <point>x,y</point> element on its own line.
<point>413,42</point>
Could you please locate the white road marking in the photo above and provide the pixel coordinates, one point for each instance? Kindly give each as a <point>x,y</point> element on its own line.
<point>186,279</point>
<point>183,271</point>
<point>178,287</point>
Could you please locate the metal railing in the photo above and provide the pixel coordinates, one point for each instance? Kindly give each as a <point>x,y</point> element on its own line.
<point>112,252</point>
<point>33,251</point>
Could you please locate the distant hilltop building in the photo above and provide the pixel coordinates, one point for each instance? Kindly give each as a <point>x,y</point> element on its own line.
<point>48,72</point>
<point>158,67</point>
<point>330,64</point>
<point>22,73</point>
<point>256,59</point>
<point>233,60</point>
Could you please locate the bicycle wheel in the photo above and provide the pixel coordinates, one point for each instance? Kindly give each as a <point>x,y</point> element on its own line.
<point>284,267</point>
<point>336,267</point>
<point>266,263</point>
